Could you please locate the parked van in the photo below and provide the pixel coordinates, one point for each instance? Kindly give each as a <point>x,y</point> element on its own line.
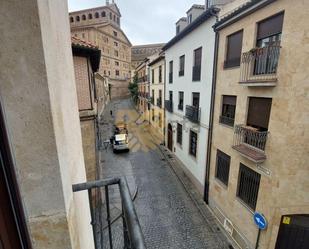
<point>120,142</point>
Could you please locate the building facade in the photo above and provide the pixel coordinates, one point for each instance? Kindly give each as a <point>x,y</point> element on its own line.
<point>156,70</point>
<point>189,66</point>
<point>101,26</point>
<point>143,89</point>
<point>259,152</point>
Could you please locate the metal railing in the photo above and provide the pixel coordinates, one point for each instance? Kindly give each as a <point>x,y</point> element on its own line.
<point>132,234</point>
<point>193,113</point>
<point>168,104</point>
<point>226,120</point>
<point>246,135</point>
<point>260,64</point>
<point>159,102</point>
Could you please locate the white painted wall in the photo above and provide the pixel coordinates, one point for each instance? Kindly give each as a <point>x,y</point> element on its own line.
<point>204,37</point>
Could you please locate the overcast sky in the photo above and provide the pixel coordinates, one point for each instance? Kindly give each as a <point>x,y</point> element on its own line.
<point>144,21</point>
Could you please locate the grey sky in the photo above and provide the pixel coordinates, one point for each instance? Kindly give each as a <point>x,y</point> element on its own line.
<point>144,21</point>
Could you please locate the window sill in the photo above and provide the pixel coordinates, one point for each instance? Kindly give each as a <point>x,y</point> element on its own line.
<point>245,205</point>
<point>220,183</point>
<point>230,67</point>
<point>179,145</point>
<point>227,126</point>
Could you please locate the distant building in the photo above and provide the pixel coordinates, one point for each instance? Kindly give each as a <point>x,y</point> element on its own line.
<point>143,89</point>
<point>102,27</point>
<point>156,70</point>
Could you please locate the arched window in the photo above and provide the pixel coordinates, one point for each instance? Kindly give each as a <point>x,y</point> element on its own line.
<point>71,19</point>
<point>90,16</point>
<point>77,18</point>
<point>103,14</point>
<point>83,17</point>
<point>96,15</point>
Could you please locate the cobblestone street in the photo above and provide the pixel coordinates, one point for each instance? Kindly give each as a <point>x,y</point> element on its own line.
<point>168,216</point>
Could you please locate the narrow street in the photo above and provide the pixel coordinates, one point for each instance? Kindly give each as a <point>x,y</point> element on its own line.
<point>168,216</point>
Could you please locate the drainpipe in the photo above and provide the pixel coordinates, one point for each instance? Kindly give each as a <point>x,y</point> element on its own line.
<point>211,117</point>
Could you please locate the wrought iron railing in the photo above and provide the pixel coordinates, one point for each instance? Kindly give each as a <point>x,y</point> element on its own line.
<point>196,73</point>
<point>159,102</point>
<point>131,230</point>
<point>193,113</point>
<point>260,64</point>
<point>226,120</point>
<point>168,104</point>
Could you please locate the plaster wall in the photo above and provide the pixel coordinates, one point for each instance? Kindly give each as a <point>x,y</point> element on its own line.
<point>285,190</point>
<point>204,37</point>
<point>38,95</point>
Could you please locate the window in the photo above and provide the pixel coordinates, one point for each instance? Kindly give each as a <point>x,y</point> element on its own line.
<point>179,133</point>
<point>182,65</point>
<point>89,16</point>
<point>228,110</point>
<point>116,63</point>
<point>71,19</point>
<point>115,33</point>
<point>248,186</point>
<point>110,16</point>
<point>259,113</point>
<point>103,14</point>
<point>180,100</point>
<point>196,73</point>
<point>96,15</point>
<point>152,115</point>
<point>77,18</point>
<point>153,97</point>
<point>171,96</point>
<point>152,76</point>
<point>233,50</point>
<point>116,53</point>
<point>118,20</point>
<point>160,74</point>
<point>177,29</point>
<point>116,44</point>
<point>114,18</point>
<point>160,120</point>
<point>170,79</point>
<point>190,18</point>
<point>223,167</point>
<point>117,72</point>
<point>83,17</point>
<point>193,143</point>
<point>196,100</point>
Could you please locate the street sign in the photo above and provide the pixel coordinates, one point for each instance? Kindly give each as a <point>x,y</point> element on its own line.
<point>260,221</point>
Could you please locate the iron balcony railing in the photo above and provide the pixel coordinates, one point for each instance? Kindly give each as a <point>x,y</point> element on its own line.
<point>260,65</point>
<point>226,120</point>
<point>170,78</point>
<point>168,104</point>
<point>159,102</point>
<point>250,142</point>
<point>132,237</point>
<point>193,113</point>
<point>196,73</point>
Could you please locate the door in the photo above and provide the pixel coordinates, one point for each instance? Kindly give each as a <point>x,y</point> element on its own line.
<point>293,232</point>
<point>170,137</point>
<point>13,233</point>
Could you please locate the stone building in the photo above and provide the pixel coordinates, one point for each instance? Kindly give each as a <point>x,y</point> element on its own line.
<point>156,94</point>
<point>102,27</point>
<point>259,148</point>
<point>40,138</point>
<point>143,89</point>
<point>141,52</point>
<point>92,96</point>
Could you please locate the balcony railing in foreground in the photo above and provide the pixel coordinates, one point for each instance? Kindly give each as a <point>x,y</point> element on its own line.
<point>132,234</point>
<point>250,142</point>
<point>193,113</point>
<point>259,66</point>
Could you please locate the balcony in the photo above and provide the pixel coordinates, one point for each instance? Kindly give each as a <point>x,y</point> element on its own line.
<point>226,120</point>
<point>193,113</point>
<point>196,75</point>
<point>250,143</point>
<point>105,235</point>
<point>168,105</point>
<point>159,102</point>
<point>259,66</point>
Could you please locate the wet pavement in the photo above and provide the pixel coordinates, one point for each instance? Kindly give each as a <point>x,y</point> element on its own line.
<point>168,216</point>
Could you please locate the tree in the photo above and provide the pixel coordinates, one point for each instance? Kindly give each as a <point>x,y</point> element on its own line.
<point>133,88</point>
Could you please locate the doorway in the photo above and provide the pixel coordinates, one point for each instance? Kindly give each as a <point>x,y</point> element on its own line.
<point>170,137</point>
<point>293,232</point>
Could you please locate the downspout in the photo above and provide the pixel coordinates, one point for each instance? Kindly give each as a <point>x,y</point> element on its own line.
<point>211,117</point>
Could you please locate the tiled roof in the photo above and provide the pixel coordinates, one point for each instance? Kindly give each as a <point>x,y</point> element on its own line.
<point>79,42</point>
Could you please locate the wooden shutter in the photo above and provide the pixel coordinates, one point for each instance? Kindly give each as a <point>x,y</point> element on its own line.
<point>234,46</point>
<point>198,57</point>
<point>271,26</point>
<point>259,112</point>
<point>229,100</point>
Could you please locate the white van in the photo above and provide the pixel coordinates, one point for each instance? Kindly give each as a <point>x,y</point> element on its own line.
<point>120,142</point>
